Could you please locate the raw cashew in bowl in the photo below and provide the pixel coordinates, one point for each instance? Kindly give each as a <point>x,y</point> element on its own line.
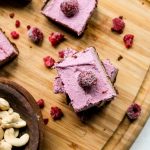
<point>1,133</point>
<point>5,146</point>
<point>4,105</point>
<point>10,138</point>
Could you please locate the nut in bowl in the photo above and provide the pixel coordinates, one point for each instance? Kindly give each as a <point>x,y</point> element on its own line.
<point>21,123</point>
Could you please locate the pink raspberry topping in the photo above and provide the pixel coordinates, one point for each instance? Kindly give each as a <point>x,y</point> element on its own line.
<point>17,23</point>
<point>49,61</point>
<point>40,103</point>
<point>55,38</point>
<point>35,35</point>
<point>87,79</point>
<point>69,7</point>
<point>14,35</point>
<point>61,54</point>
<point>118,25</point>
<point>134,111</point>
<point>128,40</point>
<point>56,113</point>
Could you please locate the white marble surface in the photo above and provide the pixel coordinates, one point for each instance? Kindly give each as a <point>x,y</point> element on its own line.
<point>143,140</point>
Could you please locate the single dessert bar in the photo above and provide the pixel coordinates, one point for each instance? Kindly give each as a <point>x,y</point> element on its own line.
<point>73,14</point>
<point>85,80</point>
<point>8,50</point>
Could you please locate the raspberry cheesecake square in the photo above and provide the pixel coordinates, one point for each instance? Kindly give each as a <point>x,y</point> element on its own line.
<point>8,50</point>
<point>73,14</point>
<point>85,80</point>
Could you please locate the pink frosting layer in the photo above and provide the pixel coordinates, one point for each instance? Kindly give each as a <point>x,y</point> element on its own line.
<point>6,48</point>
<point>77,22</point>
<point>69,70</point>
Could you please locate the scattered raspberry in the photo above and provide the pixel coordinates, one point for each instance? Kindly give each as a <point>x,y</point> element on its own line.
<point>17,24</point>
<point>45,120</point>
<point>49,61</point>
<point>69,7</point>
<point>14,35</point>
<point>134,111</point>
<point>35,35</point>
<point>55,38</point>
<point>118,25</point>
<point>11,15</point>
<point>61,54</point>
<point>28,27</point>
<point>56,113</point>
<point>87,79</point>
<point>40,103</point>
<point>128,40</point>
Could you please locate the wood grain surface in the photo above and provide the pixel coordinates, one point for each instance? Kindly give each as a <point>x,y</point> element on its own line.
<point>109,127</point>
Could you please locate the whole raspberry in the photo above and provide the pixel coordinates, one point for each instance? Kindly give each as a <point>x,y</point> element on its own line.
<point>69,7</point>
<point>55,38</point>
<point>49,61</point>
<point>14,35</point>
<point>17,23</point>
<point>118,25</point>
<point>56,113</point>
<point>134,111</point>
<point>40,103</point>
<point>87,79</point>
<point>35,35</point>
<point>128,40</point>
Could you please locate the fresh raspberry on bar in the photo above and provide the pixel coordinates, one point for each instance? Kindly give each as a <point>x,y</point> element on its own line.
<point>133,111</point>
<point>128,40</point>
<point>55,38</point>
<point>118,25</point>
<point>69,7</point>
<point>56,113</point>
<point>87,79</point>
<point>49,61</point>
<point>36,35</point>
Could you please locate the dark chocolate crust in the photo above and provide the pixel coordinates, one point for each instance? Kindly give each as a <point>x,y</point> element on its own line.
<point>11,57</point>
<point>23,103</point>
<point>66,26</point>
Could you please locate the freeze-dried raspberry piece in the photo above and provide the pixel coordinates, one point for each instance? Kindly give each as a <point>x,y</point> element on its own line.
<point>134,111</point>
<point>40,103</point>
<point>55,38</point>
<point>69,7</point>
<point>36,35</point>
<point>128,40</point>
<point>14,35</point>
<point>17,23</point>
<point>56,113</point>
<point>48,61</point>
<point>45,120</point>
<point>61,54</point>
<point>118,25</point>
<point>87,79</point>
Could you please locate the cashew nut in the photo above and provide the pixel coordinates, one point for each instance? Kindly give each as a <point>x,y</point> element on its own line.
<point>10,138</point>
<point>10,111</point>
<point>1,133</point>
<point>4,105</point>
<point>16,132</point>
<point>5,146</point>
<point>3,114</point>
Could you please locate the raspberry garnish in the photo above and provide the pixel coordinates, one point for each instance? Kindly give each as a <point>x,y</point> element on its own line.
<point>69,7</point>
<point>134,111</point>
<point>118,25</point>
<point>28,27</point>
<point>17,24</point>
<point>61,54</point>
<point>14,35</point>
<point>49,61</point>
<point>35,35</point>
<point>40,103</point>
<point>128,40</point>
<point>55,38</point>
<point>45,120</point>
<point>87,79</point>
<point>11,15</point>
<point>56,113</point>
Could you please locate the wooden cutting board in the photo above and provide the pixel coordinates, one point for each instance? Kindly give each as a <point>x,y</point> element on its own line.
<point>108,129</point>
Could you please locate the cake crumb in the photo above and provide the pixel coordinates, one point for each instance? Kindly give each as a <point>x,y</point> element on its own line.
<point>120,58</point>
